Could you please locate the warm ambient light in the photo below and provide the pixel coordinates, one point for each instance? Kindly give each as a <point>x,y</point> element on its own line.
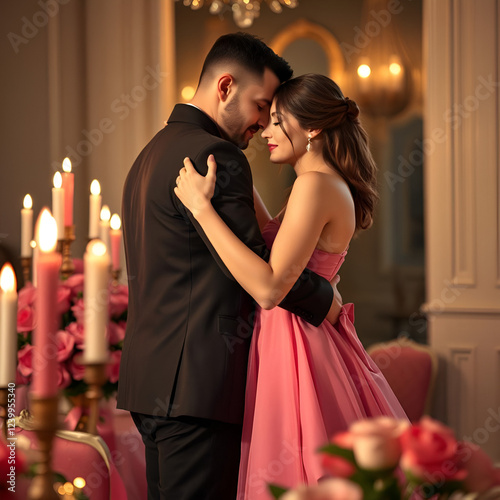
<point>28,202</point>
<point>97,248</point>
<point>33,244</point>
<point>105,213</point>
<point>95,187</point>
<point>47,232</point>
<point>364,71</point>
<point>115,222</point>
<point>66,165</point>
<point>395,68</point>
<point>79,482</point>
<point>187,93</point>
<point>57,180</point>
<point>7,279</point>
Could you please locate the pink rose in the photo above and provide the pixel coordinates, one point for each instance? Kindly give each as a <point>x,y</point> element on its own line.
<point>65,344</point>
<point>63,377</point>
<point>25,360</point>
<point>118,301</point>
<point>25,319</point>
<point>27,296</point>
<point>113,368</point>
<point>481,473</point>
<point>430,453</point>
<point>63,300</point>
<point>76,331</point>
<point>76,368</point>
<point>329,489</point>
<point>78,311</point>
<point>75,285</point>
<point>337,466</point>
<point>116,332</point>
<point>376,443</point>
<point>78,263</point>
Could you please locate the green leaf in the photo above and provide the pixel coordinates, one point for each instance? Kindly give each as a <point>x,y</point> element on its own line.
<point>334,450</point>
<point>276,491</point>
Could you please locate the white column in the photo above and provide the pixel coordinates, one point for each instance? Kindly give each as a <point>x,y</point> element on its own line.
<point>462,202</point>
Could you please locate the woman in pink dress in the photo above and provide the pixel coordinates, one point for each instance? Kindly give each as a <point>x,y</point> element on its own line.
<point>304,383</point>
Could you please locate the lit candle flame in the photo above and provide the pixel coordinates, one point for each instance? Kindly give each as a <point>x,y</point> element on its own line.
<point>115,222</point>
<point>7,278</point>
<point>97,248</point>
<point>79,482</point>
<point>33,244</point>
<point>28,202</point>
<point>47,231</point>
<point>364,71</point>
<point>66,165</point>
<point>95,187</point>
<point>57,180</point>
<point>105,213</point>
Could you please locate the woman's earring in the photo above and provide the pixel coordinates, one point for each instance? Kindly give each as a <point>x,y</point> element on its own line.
<point>308,147</point>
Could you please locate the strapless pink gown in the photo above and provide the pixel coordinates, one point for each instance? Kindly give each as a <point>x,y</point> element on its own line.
<point>304,384</point>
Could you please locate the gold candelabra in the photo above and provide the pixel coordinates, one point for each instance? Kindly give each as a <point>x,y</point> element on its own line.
<point>26,263</point>
<point>67,267</point>
<point>115,276</point>
<point>95,377</point>
<point>3,406</point>
<point>45,423</point>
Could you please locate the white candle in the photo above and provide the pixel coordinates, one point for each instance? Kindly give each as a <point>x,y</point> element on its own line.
<point>95,297</point>
<point>115,236</point>
<point>26,226</point>
<point>8,326</point>
<point>104,226</point>
<point>94,209</point>
<point>58,204</point>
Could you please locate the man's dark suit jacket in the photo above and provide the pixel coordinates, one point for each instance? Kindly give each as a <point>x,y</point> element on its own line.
<point>189,322</point>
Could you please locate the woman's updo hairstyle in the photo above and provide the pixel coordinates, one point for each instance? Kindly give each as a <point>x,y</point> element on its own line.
<point>318,103</point>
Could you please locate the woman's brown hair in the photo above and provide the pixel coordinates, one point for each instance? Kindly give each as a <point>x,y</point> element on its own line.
<point>318,103</point>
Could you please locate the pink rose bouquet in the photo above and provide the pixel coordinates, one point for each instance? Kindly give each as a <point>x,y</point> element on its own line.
<point>385,459</point>
<point>70,336</point>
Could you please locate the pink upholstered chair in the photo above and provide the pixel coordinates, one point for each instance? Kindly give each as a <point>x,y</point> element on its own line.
<point>78,454</point>
<point>410,370</point>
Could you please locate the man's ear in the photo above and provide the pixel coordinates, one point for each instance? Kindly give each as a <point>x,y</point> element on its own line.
<point>224,85</point>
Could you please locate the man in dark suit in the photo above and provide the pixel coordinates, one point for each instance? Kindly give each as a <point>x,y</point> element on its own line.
<point>184,359</point>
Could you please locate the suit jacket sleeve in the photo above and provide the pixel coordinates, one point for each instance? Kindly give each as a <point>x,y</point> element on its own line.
<point>311,296</point>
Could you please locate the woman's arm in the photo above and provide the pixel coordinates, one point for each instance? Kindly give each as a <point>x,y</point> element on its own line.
<point>305,218</point>
<point>263,216</point>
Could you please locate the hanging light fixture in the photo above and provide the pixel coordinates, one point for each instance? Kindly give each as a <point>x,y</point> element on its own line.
<point>244,11</point>
<point>379,67</point>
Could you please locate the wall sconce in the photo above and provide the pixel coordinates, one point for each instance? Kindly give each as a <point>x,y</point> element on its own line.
<point>382,76</point>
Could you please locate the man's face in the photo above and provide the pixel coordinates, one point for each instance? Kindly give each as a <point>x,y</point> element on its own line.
<point>247,109</point>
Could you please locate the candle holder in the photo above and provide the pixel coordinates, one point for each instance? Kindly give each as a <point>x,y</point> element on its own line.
<point>3,406</point>
<point>67,267</point>
<point>115,276</point>
<point>95,376</point>
<point>26,265</point>
<point>45,426</point>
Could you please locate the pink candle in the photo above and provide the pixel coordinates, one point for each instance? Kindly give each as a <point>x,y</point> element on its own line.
<point>115,235</point>
<point>68,184</point>
<point>45,372</point>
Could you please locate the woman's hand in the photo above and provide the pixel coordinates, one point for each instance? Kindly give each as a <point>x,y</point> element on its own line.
<point>194,190</point>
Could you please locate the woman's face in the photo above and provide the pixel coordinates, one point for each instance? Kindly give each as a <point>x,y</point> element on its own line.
<point>284,149</point>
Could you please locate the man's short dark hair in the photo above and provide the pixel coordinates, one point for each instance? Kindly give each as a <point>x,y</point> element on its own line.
<point>248,51</point>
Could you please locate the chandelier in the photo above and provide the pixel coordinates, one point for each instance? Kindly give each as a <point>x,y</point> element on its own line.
<point>382,72</point>
<point>244,11</point>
